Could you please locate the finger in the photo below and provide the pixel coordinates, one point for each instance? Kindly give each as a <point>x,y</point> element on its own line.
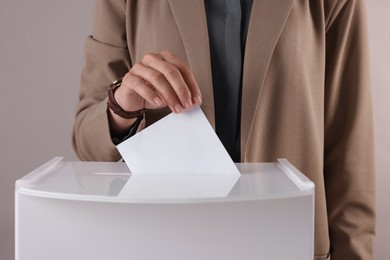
<point>186,74</point>
<point>172,75</point>
<point>153,106</point>
<point>161,86</point>
<point>146,91</point>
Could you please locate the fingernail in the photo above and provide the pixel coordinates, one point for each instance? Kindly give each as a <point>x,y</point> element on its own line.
<point>157,100</point>
<point>178,108</point>
<point>188,104</point>
<point>197,100</point>
<point>172,109</point>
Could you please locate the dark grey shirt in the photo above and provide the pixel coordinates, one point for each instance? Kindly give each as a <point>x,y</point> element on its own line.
<point>227,22</point>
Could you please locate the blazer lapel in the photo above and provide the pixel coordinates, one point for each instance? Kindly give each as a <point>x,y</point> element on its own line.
<point>191,21</point>
<point>266,23</point>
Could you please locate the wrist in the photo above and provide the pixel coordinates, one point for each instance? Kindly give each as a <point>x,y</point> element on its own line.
<point>119,126</point>
<point>117,109</point>
<point>121,120</point>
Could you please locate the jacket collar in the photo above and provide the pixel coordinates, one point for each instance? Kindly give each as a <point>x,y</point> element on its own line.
<point>191,21</point>
<point>265,26</point>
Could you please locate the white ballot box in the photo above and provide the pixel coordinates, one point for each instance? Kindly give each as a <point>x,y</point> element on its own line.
<point>76,210</point>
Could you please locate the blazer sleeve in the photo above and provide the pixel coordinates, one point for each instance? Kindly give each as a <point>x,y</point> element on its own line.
<point>106,59</point>
<point>349,149</point>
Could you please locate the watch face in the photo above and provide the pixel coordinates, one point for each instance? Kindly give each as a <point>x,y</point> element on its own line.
<point>116,83</point>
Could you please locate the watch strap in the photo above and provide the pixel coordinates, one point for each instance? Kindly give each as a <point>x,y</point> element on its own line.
<point>116,108</point>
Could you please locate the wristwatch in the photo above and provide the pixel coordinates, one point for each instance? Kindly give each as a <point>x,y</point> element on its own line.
<point>116,108</point>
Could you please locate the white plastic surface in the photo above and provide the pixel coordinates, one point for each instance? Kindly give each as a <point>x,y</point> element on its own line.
<point>70,210</point>
<point>103,181</point>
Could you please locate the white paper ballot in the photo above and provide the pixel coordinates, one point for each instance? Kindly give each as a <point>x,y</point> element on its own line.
<point>177,144</point>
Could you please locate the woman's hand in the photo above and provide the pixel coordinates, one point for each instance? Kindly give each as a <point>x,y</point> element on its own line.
<point>158,80</point>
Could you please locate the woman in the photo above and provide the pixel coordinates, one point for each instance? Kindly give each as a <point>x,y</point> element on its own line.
<point>283,79</point>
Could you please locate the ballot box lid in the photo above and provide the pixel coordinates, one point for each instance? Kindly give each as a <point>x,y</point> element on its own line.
<point>106,181</point>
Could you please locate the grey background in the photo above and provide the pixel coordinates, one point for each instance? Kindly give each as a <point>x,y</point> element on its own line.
<point>41,45</point>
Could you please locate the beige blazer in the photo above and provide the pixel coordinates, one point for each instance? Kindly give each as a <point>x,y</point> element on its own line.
<point>305,96</point>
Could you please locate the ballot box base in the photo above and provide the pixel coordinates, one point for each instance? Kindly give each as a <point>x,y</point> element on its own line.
<point>55,225</point>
